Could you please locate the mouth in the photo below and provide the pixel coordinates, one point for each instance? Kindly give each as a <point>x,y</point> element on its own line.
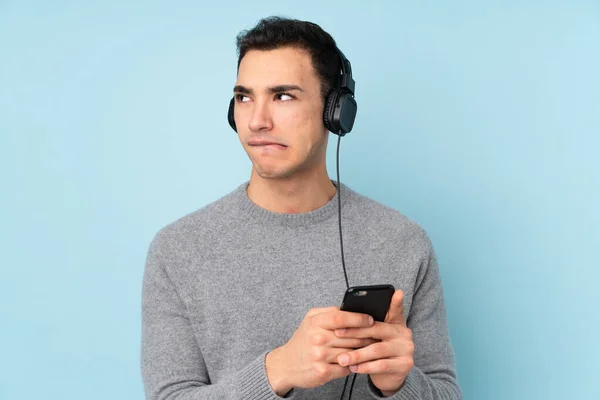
<point>266,144</point>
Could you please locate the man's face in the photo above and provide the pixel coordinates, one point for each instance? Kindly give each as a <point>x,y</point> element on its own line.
<point>279,112</point>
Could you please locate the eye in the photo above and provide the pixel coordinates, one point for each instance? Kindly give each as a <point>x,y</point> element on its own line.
<point>284,96</point>
<point>241,98</point>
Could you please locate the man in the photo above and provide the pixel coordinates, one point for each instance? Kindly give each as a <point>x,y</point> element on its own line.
<point>240,297</point>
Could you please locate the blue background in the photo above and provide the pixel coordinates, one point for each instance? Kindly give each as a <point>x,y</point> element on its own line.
<point>478,120</point>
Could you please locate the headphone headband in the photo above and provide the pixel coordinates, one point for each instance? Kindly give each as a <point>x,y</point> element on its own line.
<point>346,81</point>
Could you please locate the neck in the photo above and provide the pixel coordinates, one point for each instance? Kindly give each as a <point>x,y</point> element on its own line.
<point>293,194</point>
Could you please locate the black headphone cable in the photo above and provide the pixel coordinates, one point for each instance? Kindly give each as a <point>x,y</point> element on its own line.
<point>339,187</point>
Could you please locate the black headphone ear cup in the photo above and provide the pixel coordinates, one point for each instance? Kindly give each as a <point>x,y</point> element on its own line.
<point>230,112</point>
<point>340,112</point>
<point>345,112</point>
<point>329,110</point>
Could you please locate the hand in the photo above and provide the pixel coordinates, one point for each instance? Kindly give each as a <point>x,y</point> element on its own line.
<point>390,359</point>
<point>309,358</point>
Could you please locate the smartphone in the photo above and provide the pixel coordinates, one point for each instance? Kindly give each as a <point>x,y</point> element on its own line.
<point>373,300</point>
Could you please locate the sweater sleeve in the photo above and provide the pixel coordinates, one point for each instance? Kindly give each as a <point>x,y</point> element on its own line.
<point>171,361</point>
<point>433,376</point>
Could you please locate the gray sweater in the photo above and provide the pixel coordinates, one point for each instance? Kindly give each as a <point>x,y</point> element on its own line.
<point>226,284</point>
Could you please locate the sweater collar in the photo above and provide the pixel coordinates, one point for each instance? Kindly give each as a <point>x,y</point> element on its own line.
<point>267,217</point>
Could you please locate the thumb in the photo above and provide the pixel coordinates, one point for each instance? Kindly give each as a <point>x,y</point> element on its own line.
<point>320,310</point>
<point>395,314</point>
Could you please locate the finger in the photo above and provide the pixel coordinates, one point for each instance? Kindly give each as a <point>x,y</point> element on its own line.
<point>398,365</point>
<point>379,330</point>
<point>395,314</point>
<point>352,343</point>
<point>328,339</point>
<point>334,371</point>
<point>320,310</point>
<point>344,319</point>
<point>327,355</point>
<point>376,351</point>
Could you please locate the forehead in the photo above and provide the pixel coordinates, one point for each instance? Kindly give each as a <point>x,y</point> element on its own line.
<point>287,65</point>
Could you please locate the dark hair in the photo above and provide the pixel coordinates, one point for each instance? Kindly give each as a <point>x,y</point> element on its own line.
<point>274,32</point>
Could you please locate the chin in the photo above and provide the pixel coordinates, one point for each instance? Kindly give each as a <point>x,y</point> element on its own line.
<point>273,173</point>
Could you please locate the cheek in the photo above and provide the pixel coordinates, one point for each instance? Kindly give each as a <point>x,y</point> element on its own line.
<point>292,118</point>
<point>302,128</point>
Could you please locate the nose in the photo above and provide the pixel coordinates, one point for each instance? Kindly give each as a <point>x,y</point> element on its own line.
<point>261,119</point>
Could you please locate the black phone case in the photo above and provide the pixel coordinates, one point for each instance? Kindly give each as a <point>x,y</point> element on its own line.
<point>373,300</point>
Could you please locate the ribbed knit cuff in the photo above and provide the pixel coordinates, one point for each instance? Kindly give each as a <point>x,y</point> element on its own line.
<point>254,384</point>
<point>409,391</point>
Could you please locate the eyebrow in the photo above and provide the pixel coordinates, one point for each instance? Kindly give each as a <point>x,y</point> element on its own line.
<point>272,89</point>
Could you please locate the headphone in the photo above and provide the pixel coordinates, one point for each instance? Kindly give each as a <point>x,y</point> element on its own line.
<point>340,106</point>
